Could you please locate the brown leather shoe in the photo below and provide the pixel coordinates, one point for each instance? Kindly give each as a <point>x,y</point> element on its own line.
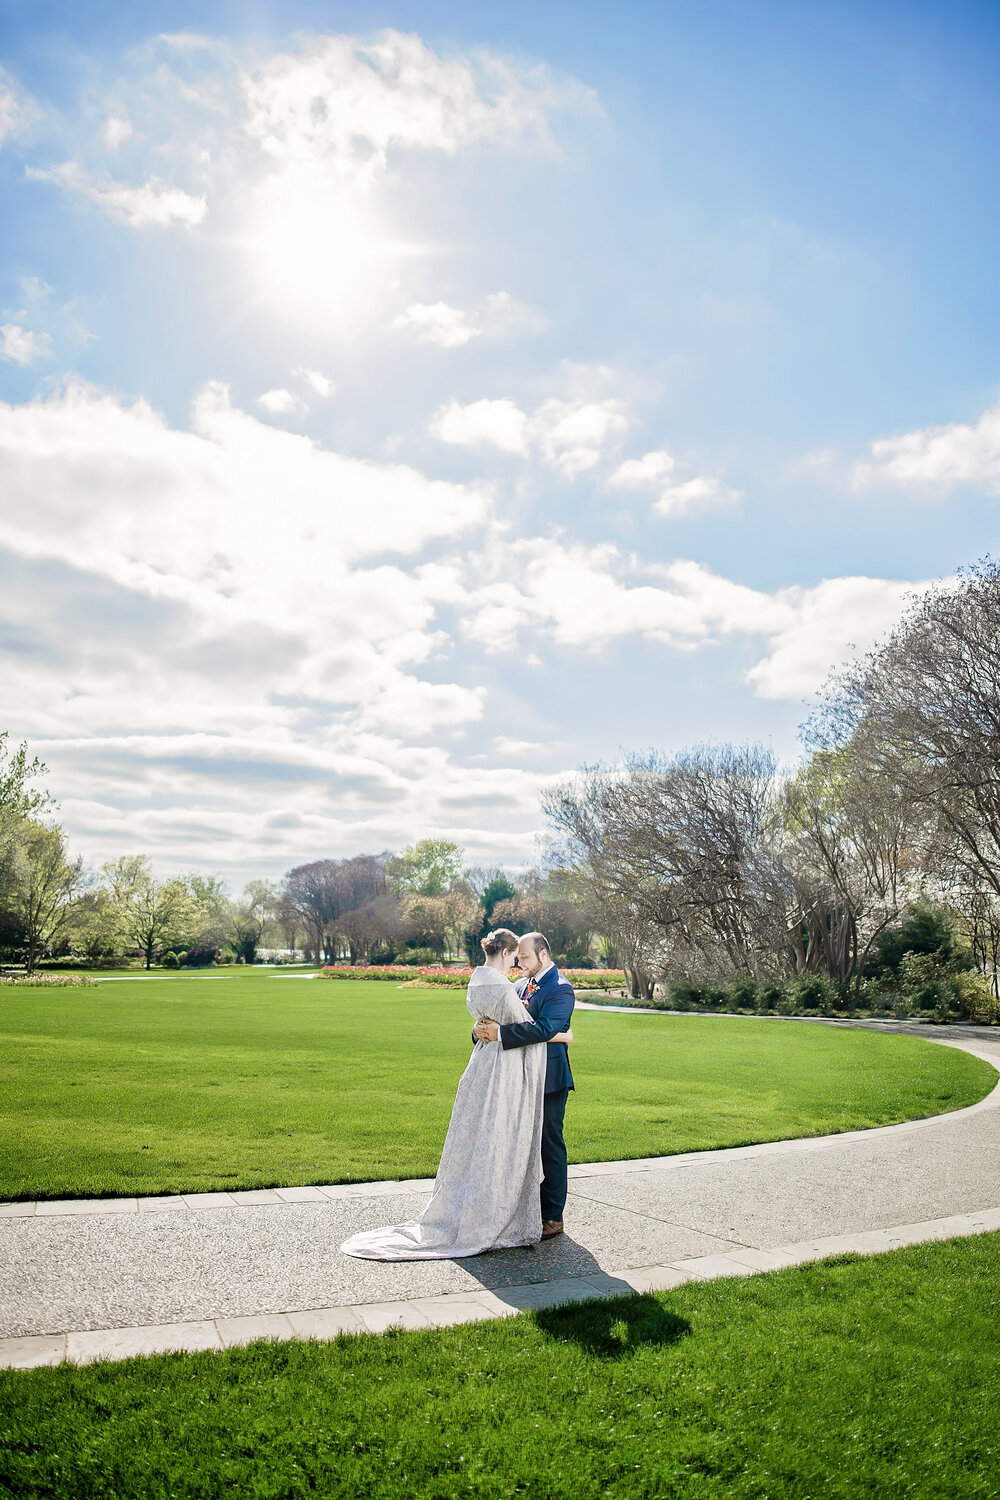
<point>550,1228</point>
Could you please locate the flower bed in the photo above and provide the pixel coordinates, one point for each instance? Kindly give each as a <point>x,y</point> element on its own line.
<point>440,976</point>
<point>437,972</point>
<point>48,981</point>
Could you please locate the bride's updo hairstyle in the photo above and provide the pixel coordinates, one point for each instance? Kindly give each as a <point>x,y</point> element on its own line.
<point>500,941</point>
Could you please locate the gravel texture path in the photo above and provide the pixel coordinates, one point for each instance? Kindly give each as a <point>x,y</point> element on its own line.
<point>87,1279</point>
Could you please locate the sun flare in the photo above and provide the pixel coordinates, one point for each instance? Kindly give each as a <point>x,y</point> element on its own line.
<point>318,244</point>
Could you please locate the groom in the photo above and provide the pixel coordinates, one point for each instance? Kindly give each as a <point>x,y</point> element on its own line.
<point>550,1000</point>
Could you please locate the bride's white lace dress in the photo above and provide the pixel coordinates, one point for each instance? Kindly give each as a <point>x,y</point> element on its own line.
<point>486,1191</point>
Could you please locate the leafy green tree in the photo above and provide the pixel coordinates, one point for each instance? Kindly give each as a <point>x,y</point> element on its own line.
<point>926,928</point>
<point>19,801</point>
<point>248,916</point>
<point>45,884</point>
<point>429,867</point>
<point>441,922</point>
<point>498,888</point>
<point>94,930</point>
<point>150,912</point>
<point>211,921</point>
<point>16,771</point>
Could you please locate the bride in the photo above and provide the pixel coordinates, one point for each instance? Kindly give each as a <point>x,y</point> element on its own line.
<point>486,1191</point>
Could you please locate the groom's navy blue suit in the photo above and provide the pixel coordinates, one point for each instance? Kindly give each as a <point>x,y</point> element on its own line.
<point>550,1007</point>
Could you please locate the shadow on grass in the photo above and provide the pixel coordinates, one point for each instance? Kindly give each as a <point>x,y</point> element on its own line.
<point>615,1328</point>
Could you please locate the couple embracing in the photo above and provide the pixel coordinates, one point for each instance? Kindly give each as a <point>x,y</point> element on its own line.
<point>502,1177</point>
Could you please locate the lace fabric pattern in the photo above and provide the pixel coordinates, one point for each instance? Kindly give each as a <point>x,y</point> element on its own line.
<point>486,1190</point>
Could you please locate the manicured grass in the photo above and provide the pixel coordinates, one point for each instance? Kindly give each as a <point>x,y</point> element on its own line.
<point>250,1079</point>
<point>849,1378</point>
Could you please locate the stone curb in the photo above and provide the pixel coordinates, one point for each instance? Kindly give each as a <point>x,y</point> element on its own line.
<point>449,1309</point>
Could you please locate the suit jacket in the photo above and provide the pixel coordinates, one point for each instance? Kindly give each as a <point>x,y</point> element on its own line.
<point>550,1007</point>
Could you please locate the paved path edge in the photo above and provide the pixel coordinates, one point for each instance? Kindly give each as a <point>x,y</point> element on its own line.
<point>447,1309</point>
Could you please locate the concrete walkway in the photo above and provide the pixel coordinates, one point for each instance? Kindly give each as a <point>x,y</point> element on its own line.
<point>95,1279</point>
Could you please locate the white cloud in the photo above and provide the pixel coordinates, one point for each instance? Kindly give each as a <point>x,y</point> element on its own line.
<point>693,494</point>
<point>591,597</point>
<point>654,471</point>
<point>153,202</point>
<point>483,424</point>
<point>437,323</point>
<point>348,103</point>
<point>282,403</point>
<point>827,625</point>
<point>572,436</point>
<point>21,346</point>
<point>507,746</point>
<point>207,623</point>
<point>575,435</point>
<point>938,458</point>
<point>209,626</point>
<point>647,472</point>
<point>116,129</point>
<point>499,316</point>
<point>18,110</point>
<point>224,485</point>
<point>316,381</point>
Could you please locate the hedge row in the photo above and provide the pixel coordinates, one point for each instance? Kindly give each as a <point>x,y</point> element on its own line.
<point>959,997</point>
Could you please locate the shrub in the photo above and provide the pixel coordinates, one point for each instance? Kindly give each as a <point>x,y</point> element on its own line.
<point>974,999</point>
<point>419,957</point>
<point>740,994</point>
<point>200,958</point>
<point>170,961</point>
<point>769,997</point>
<point>685,995</point>
<point>811,992</point>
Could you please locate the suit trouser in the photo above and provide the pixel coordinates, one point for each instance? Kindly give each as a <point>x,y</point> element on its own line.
<point>554,1156</point>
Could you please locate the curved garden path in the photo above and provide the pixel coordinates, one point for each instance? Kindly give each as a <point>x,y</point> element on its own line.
<point>90,1279</point>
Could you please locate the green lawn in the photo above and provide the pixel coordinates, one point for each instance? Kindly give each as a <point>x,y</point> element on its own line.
<point>850,1378</point>
<point>251,1079</point>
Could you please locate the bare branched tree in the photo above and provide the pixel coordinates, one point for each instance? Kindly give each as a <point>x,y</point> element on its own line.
<point>675,854</point>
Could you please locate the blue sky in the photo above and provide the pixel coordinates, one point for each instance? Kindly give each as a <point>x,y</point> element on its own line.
<point>406,404</point>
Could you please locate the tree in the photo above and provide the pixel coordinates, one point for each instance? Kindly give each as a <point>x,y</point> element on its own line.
<point>441,922</point>
<point>925,928</point>
<point>491,886</point>
<point>19,801</point>
<point>210,926</point>
<point>16,771</point>
<point>429,867</point>
<point>44,887</point>
<point>674,856</point>
<point>248,917</point>
<point>149,912</point>
<point>851,852</point>
<point>288,921</point>
<point>94,929</point>
<point>315,892</point>
<point>379,924</point>
<point>321,892</point>
<point>542,903</point>
<point>924,708</point>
